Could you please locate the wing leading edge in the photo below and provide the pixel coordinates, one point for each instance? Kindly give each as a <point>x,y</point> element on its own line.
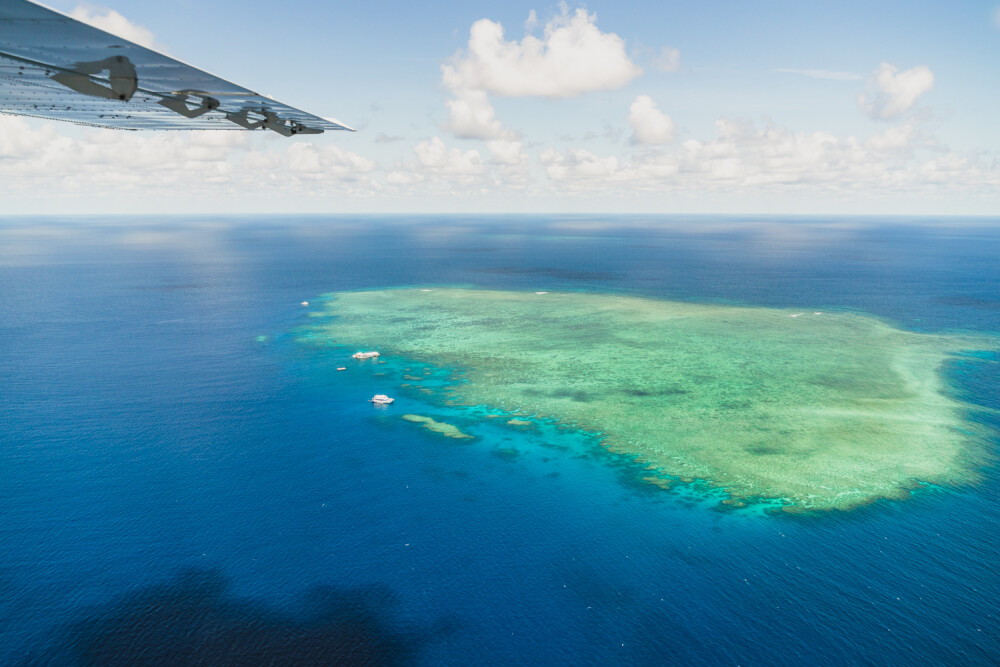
<point>53,66</point>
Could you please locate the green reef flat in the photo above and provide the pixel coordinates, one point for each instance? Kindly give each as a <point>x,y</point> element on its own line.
<point>811,410</point>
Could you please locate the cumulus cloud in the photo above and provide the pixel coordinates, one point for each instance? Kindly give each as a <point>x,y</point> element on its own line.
<point>471,116</point>
<point>892,93</point>
<point>506,152</point>
<point>511,166</point>
<point>649,124</point>
<point>438,165</point>
<point>578,166</point>
<point>571,58</point>
<point>111,21</point>
<point>435,157</point>
<point>320,162</point>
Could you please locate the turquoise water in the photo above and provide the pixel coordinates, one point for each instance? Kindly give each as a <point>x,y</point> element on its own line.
<point>174,489</point>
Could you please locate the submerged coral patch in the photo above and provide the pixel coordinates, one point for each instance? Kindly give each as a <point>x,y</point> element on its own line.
<point>442,428</point>
<point>822,411</point>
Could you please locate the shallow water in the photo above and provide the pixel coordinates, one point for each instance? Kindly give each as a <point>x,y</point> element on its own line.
<point>166,475</point>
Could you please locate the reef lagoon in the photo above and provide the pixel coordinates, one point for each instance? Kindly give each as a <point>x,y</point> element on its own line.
<point>187,478</point>
<point>812,409</point>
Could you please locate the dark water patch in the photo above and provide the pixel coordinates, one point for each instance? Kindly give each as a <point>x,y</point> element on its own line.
<point>596,588</point>
<point>354,462</point>
<point>983,355</point>
<point>442,474</point>
<point>196,619</point>
<point>168,287</point>
<point>549,272</point>
<point>667,391</point>
<point>765,450</point>
<point>636,478</point>
<point>832,381</point>
<point>969,302</point>
<point>507,453</point>
<point>639,483</point>
<point>572,394</point>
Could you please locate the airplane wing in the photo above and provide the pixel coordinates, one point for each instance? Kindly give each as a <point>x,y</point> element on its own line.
<point>53,66</point>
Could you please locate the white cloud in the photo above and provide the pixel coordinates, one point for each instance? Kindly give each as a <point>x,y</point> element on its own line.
<point>649,124</point>
<point>573,57</point>
<point>745,158</point>
<point>435,157</point>
<point>506,152</point>
<point>439,169</point>
<point>511,164</point>
<point>308,160</point>
<point>111,21</point>
<point>896,138</point>
<point>892,93</point>
<point>532,22</point>
<point>579,166</point>
<point>403,177</point>
<point>472,116</point>
<point>822,74</point>
<point>668,60</point>
<point>227,163</point>
<point>18,141</point>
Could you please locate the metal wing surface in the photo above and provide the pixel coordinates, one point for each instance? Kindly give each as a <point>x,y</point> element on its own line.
<point>53,66</point>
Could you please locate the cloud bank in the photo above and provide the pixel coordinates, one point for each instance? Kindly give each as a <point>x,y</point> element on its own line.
<point>743,157</point>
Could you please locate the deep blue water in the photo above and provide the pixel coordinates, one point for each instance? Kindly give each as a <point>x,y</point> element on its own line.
<point>174,490</point>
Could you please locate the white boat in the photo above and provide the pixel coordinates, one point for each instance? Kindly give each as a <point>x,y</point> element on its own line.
<point>382,399</point>
<point>366,355</point>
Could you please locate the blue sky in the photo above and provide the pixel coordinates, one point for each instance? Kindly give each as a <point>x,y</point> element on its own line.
<point>730,107</point>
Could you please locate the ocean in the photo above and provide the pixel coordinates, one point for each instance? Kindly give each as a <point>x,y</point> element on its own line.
<point>183,481</point>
